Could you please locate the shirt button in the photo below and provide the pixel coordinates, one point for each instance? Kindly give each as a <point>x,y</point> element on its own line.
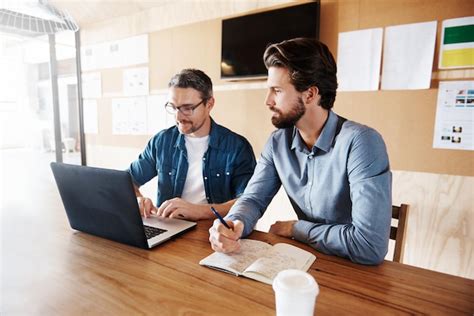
<point>169,173</point>
<point>227,173</point>
<point>205,178</point>
<point>218,175</point>
<point>203,158</point>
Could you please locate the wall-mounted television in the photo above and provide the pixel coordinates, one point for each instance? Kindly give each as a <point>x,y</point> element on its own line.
<point>245,38</point>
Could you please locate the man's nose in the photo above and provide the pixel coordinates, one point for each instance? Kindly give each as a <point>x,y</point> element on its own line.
<point>269,101</point>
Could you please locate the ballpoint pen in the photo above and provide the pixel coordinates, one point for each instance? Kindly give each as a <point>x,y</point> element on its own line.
<point>220,217</point>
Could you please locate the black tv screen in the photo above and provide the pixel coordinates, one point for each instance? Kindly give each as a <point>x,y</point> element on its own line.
<point>245,38</point>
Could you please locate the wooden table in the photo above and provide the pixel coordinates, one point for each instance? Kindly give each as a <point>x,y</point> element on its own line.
<point>63,272</point>
<point>49,269</point>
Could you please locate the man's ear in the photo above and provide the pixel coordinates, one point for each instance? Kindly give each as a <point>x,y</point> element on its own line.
<point>210,103</point>
<point>311,95</point>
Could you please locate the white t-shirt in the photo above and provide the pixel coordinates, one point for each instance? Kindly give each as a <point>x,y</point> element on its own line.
<point>193,190</point>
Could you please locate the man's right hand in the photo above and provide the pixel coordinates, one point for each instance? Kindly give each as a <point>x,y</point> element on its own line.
<point>146,206</point>
<point>223,239</point>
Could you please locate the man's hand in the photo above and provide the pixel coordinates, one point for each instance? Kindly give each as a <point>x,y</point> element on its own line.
<point>179,208</point>
<point>283,228</point>
<point>146,206</point>
<point>223,239</point>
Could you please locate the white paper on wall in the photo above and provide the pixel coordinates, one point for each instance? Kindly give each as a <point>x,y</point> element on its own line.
<point>91,85</point>
<point>358,60</point>
<point>157,117</point>
<point>90,117</point>
<point>129,116</point>
<point>408,56</point>
<point>454,126</point>
<point>115,54</point>
<point>135,81</point>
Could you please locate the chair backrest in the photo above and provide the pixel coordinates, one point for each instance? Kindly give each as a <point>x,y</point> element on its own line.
<point>398,233</point>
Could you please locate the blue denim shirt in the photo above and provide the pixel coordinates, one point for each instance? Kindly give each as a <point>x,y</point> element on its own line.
<point>228,164</point>
<point>340,190</point>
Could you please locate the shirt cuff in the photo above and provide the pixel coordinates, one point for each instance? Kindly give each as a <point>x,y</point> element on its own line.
<point>301,230</point>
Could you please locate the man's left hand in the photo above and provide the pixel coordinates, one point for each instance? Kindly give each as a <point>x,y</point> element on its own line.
<point>283,228</point>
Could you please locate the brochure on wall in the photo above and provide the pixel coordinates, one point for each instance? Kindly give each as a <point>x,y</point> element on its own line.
<point>129,116</point>
<point>454,126</point>
<point>457,43</point>
<point>358,60</point>
<point>92,85</point>
<point>408,56</point>
<point>90,117</point>
<point>135,81</point>
<point>157,117</point>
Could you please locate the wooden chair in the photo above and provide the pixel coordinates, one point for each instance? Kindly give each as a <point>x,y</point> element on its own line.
<point>398,233</point>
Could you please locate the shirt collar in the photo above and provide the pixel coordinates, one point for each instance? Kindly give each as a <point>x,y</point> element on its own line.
<point>324,141</point>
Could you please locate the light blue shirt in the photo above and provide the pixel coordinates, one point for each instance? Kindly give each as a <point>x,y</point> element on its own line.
<point>340,190</point>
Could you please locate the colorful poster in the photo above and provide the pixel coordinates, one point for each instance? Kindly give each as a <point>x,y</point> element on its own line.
<point>457,43</point>
<point>454,126</point>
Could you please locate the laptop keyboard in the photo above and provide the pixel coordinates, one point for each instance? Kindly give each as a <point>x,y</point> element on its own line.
<point>151,232</point>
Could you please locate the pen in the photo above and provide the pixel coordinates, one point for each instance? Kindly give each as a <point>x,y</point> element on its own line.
<point>219,217</point>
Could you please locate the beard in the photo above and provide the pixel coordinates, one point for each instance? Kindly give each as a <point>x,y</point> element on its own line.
<point>289,119</point>
<point>192,126</point>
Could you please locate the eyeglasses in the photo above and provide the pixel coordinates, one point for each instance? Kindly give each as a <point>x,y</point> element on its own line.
<point>186,110</point>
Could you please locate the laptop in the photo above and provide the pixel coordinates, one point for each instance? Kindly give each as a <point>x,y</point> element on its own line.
<point>102,202</point>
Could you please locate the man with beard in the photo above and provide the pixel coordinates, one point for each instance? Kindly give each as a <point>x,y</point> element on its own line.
<point>335,171</point>
<point>198,163</point>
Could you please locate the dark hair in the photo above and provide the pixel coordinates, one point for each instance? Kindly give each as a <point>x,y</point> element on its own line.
<point>193,78</point>
<point>309,63</point>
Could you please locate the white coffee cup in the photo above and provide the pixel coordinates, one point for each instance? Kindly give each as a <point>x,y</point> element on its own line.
<point>295,293</point>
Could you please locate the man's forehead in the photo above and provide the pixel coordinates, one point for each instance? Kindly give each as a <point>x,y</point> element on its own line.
<point>277,77</point>
<point>183,94</point>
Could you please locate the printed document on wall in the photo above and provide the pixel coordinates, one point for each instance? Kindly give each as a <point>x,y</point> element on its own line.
<point>454,126</point>
<point>90,117</point>
<point>157,117</point>
<point>358,60</point>
<point>129,116</point>
<point>135,81</point>
<point>408,56</point>
<point>92,85</point>
<point>457,43</point>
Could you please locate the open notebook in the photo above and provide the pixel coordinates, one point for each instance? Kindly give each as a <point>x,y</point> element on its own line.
<point>260,261</point>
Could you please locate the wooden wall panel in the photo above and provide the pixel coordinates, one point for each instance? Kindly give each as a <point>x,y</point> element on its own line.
<point>440,220</point>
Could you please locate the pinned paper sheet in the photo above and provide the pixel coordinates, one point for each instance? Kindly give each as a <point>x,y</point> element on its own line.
<point>129,116</point>
<point>157,117</point>
<point>358,60</point>
<point>90,117</point>
<point>115,54</point>
<point>408,56</point>
<point>454,127</point>
<point>135,81</point>
<point>457,43</point>
<point>92,85</point>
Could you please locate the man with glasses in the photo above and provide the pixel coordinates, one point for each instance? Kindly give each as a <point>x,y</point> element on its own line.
<point>198,163</point>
